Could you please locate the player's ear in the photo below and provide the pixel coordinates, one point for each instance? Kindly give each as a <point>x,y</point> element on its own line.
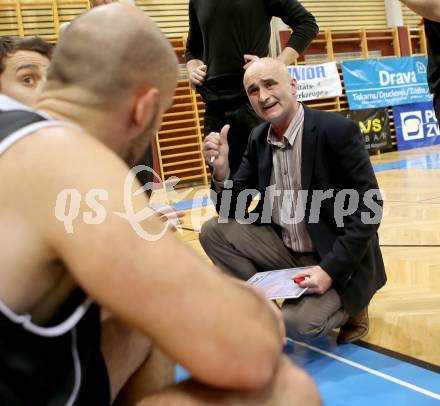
<point>146,108</point>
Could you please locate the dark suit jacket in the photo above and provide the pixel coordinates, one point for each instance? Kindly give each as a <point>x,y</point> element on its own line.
<point>333,159</point>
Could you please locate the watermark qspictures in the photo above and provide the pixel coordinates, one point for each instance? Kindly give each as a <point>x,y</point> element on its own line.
<point>346,202</point>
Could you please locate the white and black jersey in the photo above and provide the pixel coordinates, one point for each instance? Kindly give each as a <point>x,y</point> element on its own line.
<point>60,362</point>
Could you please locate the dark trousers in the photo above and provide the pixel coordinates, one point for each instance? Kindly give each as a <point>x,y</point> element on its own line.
<point>146,176</point>
<point>242,120</point>
<point>244,249</point>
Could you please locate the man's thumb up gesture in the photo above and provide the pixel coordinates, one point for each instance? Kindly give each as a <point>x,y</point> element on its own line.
<point>216,150</point>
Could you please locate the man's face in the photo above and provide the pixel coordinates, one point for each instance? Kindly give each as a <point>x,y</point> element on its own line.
<point>24,76</point>
<point>271,93</point>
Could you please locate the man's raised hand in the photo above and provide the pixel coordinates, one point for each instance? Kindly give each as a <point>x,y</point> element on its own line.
<point>216,150</point>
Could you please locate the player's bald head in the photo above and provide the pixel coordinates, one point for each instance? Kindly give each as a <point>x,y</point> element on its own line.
<point>112,50</point>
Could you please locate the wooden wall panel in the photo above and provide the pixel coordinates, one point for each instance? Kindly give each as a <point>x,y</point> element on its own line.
<point>410,18</point>
<point>170,15</point>
<point>417,40</point>
<point>343,14</point>
<point>10,19</point>
<point>69,9</point>
<point>40,18</point>
<point>179,139</point>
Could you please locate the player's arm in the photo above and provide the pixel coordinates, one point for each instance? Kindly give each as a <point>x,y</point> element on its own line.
<point>222,332</point>
<point>194,50</point>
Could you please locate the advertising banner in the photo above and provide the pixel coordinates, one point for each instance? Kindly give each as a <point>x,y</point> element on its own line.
<point>374,125</point>
<point>416,125</point>
<point>316,81</point>
<point>385,82</point>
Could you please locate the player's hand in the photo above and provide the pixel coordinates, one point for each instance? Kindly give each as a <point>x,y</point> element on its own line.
<point>248,59</point>
<point>171,216</point>
<point>316,280</point>
<point>197,75</point>
<point>216,150</point>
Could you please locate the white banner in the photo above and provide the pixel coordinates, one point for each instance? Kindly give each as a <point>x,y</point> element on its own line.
<point>316,81</point>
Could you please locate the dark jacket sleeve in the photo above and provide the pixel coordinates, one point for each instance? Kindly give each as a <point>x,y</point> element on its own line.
<point>194,42</point>
<point>301,21</point>
<point>353,166</point>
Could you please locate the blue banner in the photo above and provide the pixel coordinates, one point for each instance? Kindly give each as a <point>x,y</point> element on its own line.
<point>385,82</point>
<point>416,125</point>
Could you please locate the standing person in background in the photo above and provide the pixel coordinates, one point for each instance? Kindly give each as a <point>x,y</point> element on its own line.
<point>430,11</point>
<point>223,38</point>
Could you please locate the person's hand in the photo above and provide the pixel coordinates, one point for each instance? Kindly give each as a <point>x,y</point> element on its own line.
<point>216,150</point>
<point>316,280</point>
<point>248,59</point>
<point>170,215</point>
<point>197,75</point>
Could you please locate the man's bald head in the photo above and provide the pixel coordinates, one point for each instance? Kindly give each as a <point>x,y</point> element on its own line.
<point>267,64</point>
<point>112,50</point>
<point>272,92</point>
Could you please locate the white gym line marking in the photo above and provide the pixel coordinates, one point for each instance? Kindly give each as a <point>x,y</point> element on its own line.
<point>371,371</point>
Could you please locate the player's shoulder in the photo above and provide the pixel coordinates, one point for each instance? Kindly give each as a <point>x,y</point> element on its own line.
<point>63,154</point>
